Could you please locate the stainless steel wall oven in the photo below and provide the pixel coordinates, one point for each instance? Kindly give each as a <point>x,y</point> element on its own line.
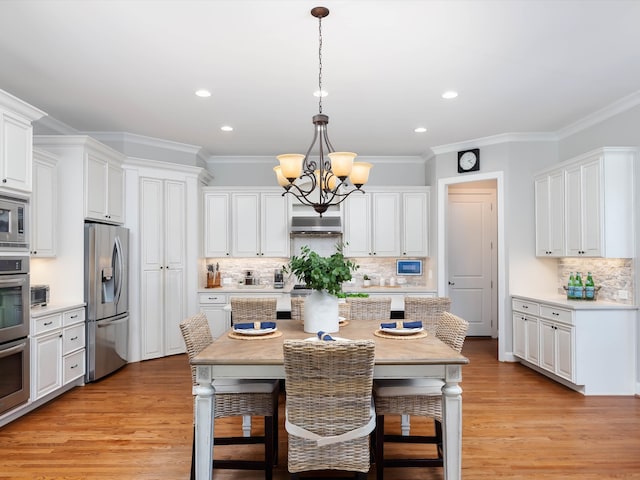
<point>14,331</point>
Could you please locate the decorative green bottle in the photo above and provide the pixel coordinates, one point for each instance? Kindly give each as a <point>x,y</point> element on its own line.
<point>571,286</point>
<point>579,288</point>
<point>589,288</point>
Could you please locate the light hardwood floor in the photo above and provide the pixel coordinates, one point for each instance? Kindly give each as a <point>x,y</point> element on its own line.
<point>137,424</point>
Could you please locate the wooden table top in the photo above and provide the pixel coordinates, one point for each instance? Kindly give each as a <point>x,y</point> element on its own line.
<point>389,351</point>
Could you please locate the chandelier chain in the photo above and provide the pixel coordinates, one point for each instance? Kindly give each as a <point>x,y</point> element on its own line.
<point>320,93</point>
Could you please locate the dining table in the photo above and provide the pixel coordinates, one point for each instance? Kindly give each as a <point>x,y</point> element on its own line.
<point>238,356</point>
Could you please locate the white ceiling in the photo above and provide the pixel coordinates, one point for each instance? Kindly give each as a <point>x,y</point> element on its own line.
<point>519,66</point>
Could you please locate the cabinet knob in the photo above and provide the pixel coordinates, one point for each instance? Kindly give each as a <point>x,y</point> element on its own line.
<point>4,180</point>
<point>451,283</point>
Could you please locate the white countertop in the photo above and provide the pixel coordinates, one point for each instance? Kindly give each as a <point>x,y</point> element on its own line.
<point>562,301</point>
<point>267,289</point>
<point>54,308</point>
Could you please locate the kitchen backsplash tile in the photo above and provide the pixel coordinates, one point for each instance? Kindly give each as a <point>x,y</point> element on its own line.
<point>613,275</point>
<point>263,269</point>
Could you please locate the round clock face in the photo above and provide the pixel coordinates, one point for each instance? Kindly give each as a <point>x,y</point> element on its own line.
<point>468,160</point>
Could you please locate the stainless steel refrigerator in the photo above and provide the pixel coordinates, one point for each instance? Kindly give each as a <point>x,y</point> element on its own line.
<point>106,293</point>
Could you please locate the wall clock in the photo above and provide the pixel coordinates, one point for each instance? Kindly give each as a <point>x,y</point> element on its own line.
<point>469,160</point>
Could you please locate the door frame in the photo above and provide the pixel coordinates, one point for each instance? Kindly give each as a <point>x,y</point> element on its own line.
<point>443,191</point>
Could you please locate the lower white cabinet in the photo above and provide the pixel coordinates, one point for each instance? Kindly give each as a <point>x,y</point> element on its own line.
<point>587,346</point>
<point>213,306</point>
<point>58,351</point>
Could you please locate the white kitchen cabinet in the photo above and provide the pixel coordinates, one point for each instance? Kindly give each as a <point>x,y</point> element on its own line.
<point>104,188</point>
<point>357,225</point>
<point>549,212</point>
<point>44,204</point>
<point>58,351</point>
<point>526,342</point>
<point>162,250</point>
<point>16,142</point>
<point>598,205</point>
<point>213,306</point>
<point>259,224</point>
<point>217,217</point>
<point>587,346</point>
<point>415,224</point>
<point>386,223</point>
<point>372,225</point>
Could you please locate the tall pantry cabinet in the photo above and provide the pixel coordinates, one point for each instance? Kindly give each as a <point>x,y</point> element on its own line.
<point>164,211</point>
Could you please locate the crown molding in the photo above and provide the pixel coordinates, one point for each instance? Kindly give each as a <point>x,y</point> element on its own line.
<point>135,139</point>
<point>20,106</point>
<point>495,140</point>
<point>622,105</point>
<point>52,124</point>
<point>230,159</point>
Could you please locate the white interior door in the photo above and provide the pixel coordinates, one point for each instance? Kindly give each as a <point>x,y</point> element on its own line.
<point>471,258</point>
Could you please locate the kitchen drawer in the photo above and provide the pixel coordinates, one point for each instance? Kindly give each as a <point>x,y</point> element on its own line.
<point>73,366</point>
<point>73,316</point>
<point>72,338</point>
<point>556,314</point>
<point>524,306</point>
<point>213,298</point>
<point>48,323</point>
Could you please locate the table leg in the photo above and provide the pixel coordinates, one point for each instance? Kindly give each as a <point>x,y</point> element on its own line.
<point>452,423</point>
<point>204,415</point>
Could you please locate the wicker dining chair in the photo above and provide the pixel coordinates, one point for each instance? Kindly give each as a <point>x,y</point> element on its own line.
<point>369,308</point>
<point>236,398</point>
<point>297,308</point>
<point>426,310</point>
<point>328,403</point>
<point>253,309</point>
<point>415,397</point>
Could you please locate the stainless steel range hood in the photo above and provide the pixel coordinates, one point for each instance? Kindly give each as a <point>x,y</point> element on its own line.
<point>327,225</point>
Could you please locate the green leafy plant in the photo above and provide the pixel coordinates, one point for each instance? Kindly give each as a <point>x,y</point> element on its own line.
<point>322,273</point>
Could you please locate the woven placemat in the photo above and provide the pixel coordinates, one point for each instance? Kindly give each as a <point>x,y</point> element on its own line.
<point>380,333</point>
<point>239,336</point>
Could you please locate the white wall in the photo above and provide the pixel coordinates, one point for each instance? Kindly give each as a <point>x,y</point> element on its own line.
<point>258,171</point>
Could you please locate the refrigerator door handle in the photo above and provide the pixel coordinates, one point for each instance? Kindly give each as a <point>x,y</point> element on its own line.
<point>119,267</point>
<point>103,324</point>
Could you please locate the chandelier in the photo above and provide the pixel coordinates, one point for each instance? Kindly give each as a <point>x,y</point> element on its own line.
<point>314,179</point>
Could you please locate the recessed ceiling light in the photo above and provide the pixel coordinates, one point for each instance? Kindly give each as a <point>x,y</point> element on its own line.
<point>449,95</point>
<point>226,128</point>
<point>203,93</point>
<point>320,93</point>
<point>420,130</point>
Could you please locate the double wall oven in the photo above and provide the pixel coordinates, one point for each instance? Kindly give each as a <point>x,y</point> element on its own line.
<point>14,331</point>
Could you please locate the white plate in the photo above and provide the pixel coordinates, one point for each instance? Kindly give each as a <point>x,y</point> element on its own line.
<point>402,331</point>
<point>253,331</point>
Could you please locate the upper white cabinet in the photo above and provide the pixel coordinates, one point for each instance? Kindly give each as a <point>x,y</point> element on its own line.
<point>217,215</point>
<point>44,205</point>
<point>16,134</point>
<point>104,192</point>
<point>246,222</point>
<point>386,223</point>
<point>549,193</point>
<point>415,224</point>
<point>597,204</point>
<point>100,168</point>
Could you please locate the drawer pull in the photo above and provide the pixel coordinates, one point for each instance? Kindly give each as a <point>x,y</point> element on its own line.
<point>74,366</point>
<point>555,313</point>
<point>74,316</point>
<point>74,338</point>
<point>46,324</point>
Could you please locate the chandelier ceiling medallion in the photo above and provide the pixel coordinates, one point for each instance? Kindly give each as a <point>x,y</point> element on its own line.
<point>312,178</point>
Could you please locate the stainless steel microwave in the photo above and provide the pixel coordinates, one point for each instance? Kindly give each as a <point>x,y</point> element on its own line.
<point>39,295</point>
<point>13,223</point>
